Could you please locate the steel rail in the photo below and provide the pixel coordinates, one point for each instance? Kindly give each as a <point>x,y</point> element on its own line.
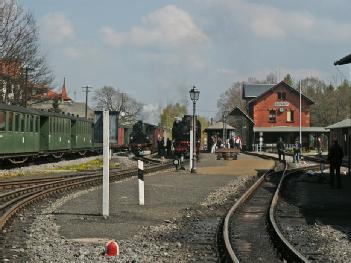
<point>241,200</point>
<point>68,184</point>
<point>228,246</point>
<point>298,257</point>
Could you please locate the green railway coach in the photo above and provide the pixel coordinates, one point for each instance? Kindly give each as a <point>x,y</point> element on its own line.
<point>19,133</point>
<point>82,134</point>
<point>55,133</point>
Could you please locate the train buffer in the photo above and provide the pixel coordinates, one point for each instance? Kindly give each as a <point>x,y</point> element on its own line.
<point>227,153</point>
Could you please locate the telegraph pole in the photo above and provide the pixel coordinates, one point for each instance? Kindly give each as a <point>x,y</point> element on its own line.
<point>86,99</point>
<point>26,86</point>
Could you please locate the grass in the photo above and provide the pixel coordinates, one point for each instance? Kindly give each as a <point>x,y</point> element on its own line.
<point>91,165</point>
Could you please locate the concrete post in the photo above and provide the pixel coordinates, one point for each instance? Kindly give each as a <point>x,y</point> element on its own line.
<point>106,164</point>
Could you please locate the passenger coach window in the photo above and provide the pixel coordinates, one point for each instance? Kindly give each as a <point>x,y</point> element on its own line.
<point>37,122</point>
<point>10,121</point>
<point>17,122</point>
<point>2,121</point>
<point>30,123</point>
<point>23,121</point>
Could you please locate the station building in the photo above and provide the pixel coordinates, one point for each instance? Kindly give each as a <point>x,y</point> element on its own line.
<point>273,111</point>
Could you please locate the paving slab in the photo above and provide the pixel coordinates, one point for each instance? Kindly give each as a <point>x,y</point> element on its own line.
<point>167,194</point>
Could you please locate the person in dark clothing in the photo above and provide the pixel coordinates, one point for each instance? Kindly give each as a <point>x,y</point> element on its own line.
<point>297,151</point>
<point>335,155</point>
<point>281,149</point>
<point>169,147</point>
<point>231,142</point>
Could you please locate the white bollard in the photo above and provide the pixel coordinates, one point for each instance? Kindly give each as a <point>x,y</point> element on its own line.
<point>106,164</point>
<point>141,181</point>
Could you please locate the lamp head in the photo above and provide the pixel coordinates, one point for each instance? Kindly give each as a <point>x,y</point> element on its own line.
<point>194,94</point>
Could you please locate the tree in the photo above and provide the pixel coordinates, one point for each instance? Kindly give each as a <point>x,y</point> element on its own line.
<point>169,114</point>
<point>288,80</point>
<point>204,124</point>
<point>331,104</point>
<point>56,104</point>
<point>230,99</point>
<point>19,52</point>
<point>113,99</point>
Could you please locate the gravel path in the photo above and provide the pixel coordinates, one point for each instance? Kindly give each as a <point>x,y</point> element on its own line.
<point>173,241</point>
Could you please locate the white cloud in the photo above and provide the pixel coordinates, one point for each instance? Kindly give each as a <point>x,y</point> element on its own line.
<point>72,53</point>
<point>56,28</point>
<point>268,21</point>
<point>110,37</point>
<point>165,27</point>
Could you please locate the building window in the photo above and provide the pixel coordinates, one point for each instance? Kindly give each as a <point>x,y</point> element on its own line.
<point>290,116</point>
<point>281,96</point>
<point>272,116</point>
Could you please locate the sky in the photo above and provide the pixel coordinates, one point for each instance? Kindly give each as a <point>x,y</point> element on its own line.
<point>156,51</point>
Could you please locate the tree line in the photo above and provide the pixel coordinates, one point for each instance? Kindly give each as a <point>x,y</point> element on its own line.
<point>24,71</point>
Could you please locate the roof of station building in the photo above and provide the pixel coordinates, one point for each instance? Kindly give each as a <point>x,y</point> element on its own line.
<point>251,91</point>
<point>289,129</point>
<point>282,83</point>
<point>341,124</point>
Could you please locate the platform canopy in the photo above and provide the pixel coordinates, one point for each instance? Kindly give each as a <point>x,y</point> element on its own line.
<point>219,126</point>
<point>289,129</point>
<point>341,124</point>
<point>343,61</point>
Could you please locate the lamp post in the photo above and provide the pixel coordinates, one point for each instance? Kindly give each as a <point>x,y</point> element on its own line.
<point>300,116</point>
<point>194,96</point>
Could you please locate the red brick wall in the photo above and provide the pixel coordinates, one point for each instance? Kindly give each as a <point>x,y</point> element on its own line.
<point>263,105</point>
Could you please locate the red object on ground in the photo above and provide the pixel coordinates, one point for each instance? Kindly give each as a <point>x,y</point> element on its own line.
<point>112,249</point>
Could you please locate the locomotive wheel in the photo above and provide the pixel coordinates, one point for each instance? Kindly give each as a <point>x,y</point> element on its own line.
<point>57,155</point>
<point>82,153</point>
<point>18,160</point>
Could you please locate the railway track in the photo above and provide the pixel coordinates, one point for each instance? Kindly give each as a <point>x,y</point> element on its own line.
<point>33,190</point>
<point>250,230</point>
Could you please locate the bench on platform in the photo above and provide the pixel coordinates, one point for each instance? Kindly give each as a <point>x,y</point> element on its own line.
<point>227,153</point>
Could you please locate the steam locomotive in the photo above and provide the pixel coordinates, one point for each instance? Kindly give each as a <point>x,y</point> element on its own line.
<point>143,138</point>
<point>181,135</point>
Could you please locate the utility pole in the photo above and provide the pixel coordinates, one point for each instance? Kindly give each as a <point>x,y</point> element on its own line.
<point>86,99</point>
<point>26,86</point>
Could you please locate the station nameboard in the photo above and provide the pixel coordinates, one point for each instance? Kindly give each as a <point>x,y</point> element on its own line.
<point>281,104</point>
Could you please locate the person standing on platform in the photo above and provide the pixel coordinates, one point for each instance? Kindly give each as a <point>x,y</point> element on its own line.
<point>297,151</point>
<point>214,145</point>
<point>281,149</point>
<point>335,155</point>
<point>231,142</point>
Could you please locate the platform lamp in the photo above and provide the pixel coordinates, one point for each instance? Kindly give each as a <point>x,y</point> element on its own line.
<point>194,96</point>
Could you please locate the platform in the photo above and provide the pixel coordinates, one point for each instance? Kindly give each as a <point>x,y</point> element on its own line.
<point>166,195</point>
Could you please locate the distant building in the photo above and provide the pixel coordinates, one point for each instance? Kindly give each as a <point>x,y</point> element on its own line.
<point>272,111</point>
<point>341,131</point>
<point>65,103</point>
